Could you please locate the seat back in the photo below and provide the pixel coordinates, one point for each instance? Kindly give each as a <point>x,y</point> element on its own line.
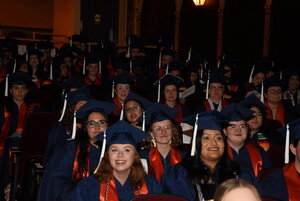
<point>158,197</point>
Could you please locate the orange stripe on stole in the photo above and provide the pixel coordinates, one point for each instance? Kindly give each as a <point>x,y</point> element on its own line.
<point>75,175</point>
<point>292,179</point>
<point>4,130</point>
<point>156,163</point>
<point>112,193</point>
<point>21,118</point>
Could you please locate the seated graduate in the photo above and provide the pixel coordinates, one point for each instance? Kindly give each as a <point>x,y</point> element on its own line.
<point>284,183</point>
<point>75,159</point>
<point>165,151</point>
<point>198,175</point>
<point>249,156</point>
<point>256,124</point>
<point>134,107</point>
<point>63,129</point>
<point>292,92</point>
<point>120,175</point>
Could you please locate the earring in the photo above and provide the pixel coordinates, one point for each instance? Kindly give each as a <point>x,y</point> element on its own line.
<point>153,142</point>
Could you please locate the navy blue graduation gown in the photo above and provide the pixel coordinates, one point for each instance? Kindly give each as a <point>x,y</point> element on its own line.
<point>243,159</point>
<point>89,189</point>
<point>57,183</point>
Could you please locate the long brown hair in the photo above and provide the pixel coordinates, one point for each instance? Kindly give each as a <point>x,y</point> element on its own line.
<point>232,184</point>
<point>136,176</point>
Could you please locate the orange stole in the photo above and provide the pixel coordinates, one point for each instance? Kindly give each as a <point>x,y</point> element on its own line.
<point>119,106</point>
<point>75,175</point>
<point>254,154</point>
<point>112,193</point>
<point>21,117</point>
<point>292,179</point>
<point>279,114</point>
<point>156,163</point>
<point>4,130</point>
<point>179,116</point>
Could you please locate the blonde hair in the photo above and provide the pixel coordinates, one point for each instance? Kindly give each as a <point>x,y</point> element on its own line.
<point>232,184</point>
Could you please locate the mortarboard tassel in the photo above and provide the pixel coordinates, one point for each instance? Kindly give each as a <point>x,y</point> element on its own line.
<point>189,55</point>
<point>100,67</point>
<point>167,71</point>
<point>159,59</point>
<point>128,48</point>
<point>83,70</point>
<point>6,86</point>
<point>158,93</point>
<point>51,70</point>
<point>144,122</point>
<point>64,108</point>
<point>15,66</point>
<point>287,145</point>
<point>262,93</point>
<point>122,112</point>
<point>280,76</point>
<point>130,65</point>
<point>71,41</point>
<point>112,89</point>
<point>102,151</point>
<point>250,77</point>
<point>219,63</point>
<point>193,149</point>
<point>74,127</point>
<point>207,85</point>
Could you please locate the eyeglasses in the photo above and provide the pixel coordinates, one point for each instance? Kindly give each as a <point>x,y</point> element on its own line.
<point>92,124</point>
<point>234,126</point>
<point>133,108</point>
<point>273,91</point>
<point>216,88</point>
<point>159,129</point>
<point>170,91</point>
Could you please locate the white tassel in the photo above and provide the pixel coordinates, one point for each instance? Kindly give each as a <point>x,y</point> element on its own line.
<point>102,151</point>
<point>158,93</point>
<point>287,145</point>
<point>128,48</point>
<point>6,86</point>
<point>64,108</point>
<point>100,67</point>
<point>250,77</point>
<point>262,93</point>
<point>83,70</point>
<point>130,65</point>
<point>122,112</point>
<point>51,71</point>
<point>280,76</point>
<point>167,71</point>
<point>159,60</point>
<point>207,85</point>
<point>71,41</point>
<point>113,89</point>
<point>193,149</point>
<point>144,121</point>
<point>15,66</point>
<point>219,63</point>
<point>74,127</point>
<point>189,55</point>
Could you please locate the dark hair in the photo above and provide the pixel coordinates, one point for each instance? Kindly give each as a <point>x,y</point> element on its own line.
<point>83,140</point>
<point>262,128</point>
<point>296,141</point>
<point>198,171</point>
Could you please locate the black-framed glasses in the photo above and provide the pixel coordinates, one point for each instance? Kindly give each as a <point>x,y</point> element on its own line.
<point>234,126</point>
<point>100,123</point>
<point>133,108</point>
<point>216,88</point>
<point>159,129</point>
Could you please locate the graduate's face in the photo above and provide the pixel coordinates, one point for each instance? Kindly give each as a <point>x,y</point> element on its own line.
<point>133,111</point>
<point>162,132</point>
<point>95,124</point>
<point>121,157</point>
<point>240,194</point>
<point>93,69</point>
<point>122,91</point>
<point>212,147</point>
<point>18,92</point>
<point>63,69</point>
<point>274,94</point>
<point>34,60</point>
<point>166,59</point>
<point>257,120</point>
<point>68,61</point>
<point>216,91</point>
<point>236,132</point>
<point>294,82</point>
<point>258,78</point>
<point>170,93</point>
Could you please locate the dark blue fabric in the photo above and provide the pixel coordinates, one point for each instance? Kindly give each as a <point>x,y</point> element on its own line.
<point>57,183</point>
<point>89,189</point>
<point>274,186</point>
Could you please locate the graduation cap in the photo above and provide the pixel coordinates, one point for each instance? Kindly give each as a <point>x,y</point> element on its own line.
<point>167,51</point>
<point>175,65</point>
<point>257,68</point>
<point>95,105</point>
<point>237,112</point>
<point>291,132</point>
<point>290,72</point>
<point>44,45</point>
<point>78,38</point>
<point>20,78</point>
<point>123,78</point>
<point>122,63</point>
<point>167,79</point>
<point>217,76</point>
<point>92,59</point>
<point>252,100</point>
<point>67,53</point>
<point>207,120</point>
<point>75,82</point>
<point>120,133</point>
<point>35,52</point>
<point>273,81</point>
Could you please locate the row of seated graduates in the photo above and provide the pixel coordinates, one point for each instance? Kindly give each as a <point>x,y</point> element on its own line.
<point>46,86</point>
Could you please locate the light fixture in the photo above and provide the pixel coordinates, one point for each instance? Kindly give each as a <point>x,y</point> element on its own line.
<point>199,2</point>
